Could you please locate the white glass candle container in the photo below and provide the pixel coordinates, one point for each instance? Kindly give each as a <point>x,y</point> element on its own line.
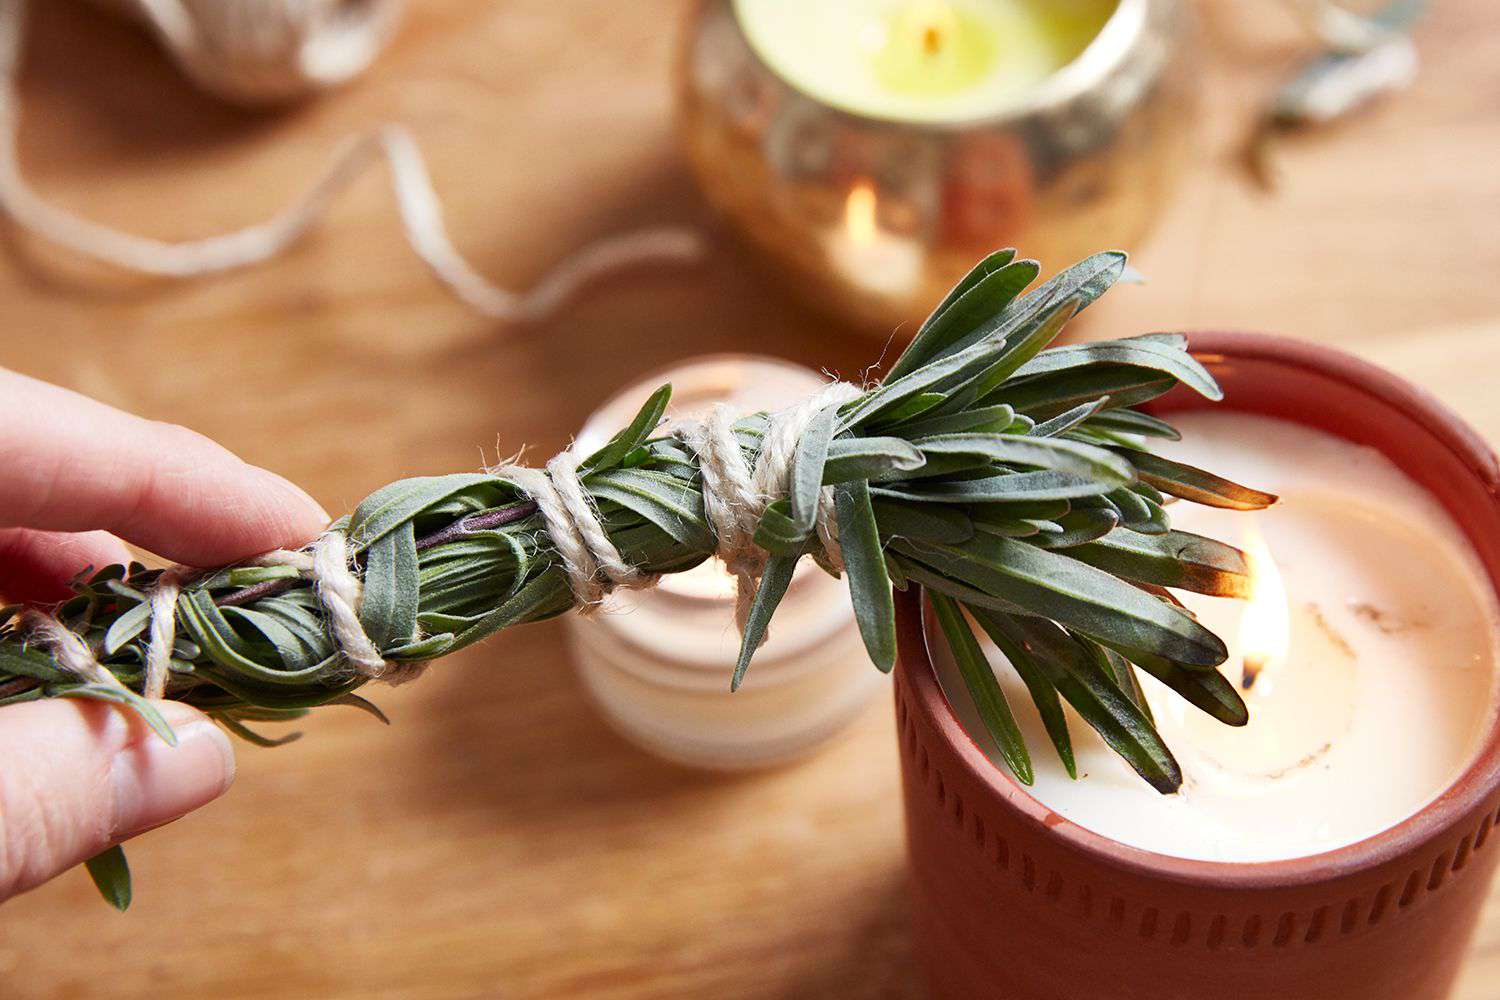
<point>658,662</point>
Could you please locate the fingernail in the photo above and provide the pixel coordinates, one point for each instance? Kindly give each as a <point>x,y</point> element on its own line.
<point>155,783</point>
<point>298,495</point>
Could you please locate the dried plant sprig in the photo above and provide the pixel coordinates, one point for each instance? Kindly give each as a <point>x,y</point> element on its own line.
<point>1009,479</point>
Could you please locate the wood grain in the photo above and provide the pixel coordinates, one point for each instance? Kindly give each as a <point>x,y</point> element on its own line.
<point>498,840</point>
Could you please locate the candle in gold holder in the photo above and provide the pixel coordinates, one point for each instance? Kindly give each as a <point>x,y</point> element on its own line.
<point>658,662</point>
<point>871,151</point>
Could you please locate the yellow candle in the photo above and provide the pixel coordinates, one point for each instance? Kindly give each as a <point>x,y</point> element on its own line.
<point>921,60</point>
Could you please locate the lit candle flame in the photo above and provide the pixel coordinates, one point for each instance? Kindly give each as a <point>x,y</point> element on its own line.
<point>859,213</point>
<point>1265,627</point>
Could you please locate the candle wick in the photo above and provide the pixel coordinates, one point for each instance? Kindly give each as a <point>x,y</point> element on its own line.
<point>1250,668</point>
<point>932,40</point>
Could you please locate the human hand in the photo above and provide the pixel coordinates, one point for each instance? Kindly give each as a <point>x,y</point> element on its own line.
<point>76,477</point>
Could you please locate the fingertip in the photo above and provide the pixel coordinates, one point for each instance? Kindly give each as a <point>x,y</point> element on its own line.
<point>81,776</point>
<point>155,783</point>
<point>38,566</point>
<point>304,517</point>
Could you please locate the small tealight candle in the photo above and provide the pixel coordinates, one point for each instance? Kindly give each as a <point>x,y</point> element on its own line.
<point>921,60</point>
<point>1365,653</point>
<point>875,259</point>
<point>658,662</point>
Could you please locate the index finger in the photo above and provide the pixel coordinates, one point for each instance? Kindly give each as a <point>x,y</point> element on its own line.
<point>74,464</point>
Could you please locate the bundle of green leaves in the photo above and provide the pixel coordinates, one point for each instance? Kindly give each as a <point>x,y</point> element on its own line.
<point>1011,480</point>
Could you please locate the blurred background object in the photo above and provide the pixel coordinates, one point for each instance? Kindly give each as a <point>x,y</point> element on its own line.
<point>264,52</point>
<point>499,837</point>
<point>872,151</point>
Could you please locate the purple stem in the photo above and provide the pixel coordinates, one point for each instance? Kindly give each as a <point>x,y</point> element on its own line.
<point>482,521</point>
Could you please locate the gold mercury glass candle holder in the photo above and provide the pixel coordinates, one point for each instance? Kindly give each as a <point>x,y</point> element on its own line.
<point>872,216</point>
<point>658,662</point>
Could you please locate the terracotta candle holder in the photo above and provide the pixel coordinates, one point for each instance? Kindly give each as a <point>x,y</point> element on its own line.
<point>1013,901</point>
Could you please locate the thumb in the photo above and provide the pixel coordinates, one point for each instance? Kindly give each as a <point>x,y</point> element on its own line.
<point>77,777</point>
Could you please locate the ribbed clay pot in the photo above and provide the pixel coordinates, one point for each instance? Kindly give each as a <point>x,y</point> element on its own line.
<point>1014,902</point>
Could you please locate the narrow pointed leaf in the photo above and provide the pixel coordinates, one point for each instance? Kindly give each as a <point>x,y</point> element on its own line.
<point>773,584</point>
<point>979,679</point>
<point>1196,485</point>
<point>864,563</point>
<point>111,874</point>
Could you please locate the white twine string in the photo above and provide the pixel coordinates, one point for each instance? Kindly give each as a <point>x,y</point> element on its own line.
<point>593,565</point>
<point>416,200</point>
<point>162,633</point>
<point>341,592</point>
<point>67,648</point>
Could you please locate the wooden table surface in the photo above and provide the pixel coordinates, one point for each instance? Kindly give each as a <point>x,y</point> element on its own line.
<point>498,839</point>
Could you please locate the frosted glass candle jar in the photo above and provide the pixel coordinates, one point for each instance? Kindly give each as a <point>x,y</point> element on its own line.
<point>658,662</point>
<point>1033,896</point>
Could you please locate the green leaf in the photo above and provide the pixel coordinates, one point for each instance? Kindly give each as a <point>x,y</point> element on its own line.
<point>111,874</point>
<point>1206,690</point>
<point>990,419</point>
<point>673,506</point>
<point>1086,684</point>
<point>869,458</point>
<point>1009,488</point>
<point>387,509</point>
<point>1078,527</point>
<point>1175,559</point>
<point>925,345</point>
<point>929,377</point>
<point>1124,675</point>
<point>1134,422</point>
<point>773,583</point>
<point>391,596</point>
<point>1075,594</point>
<point>1046,453</point>
<point>864,563</point>
<point>1135,513</point>
<point>1196,485</point>
<point>807,468</point>
<point>922,522</point>
<point>249,735</point>
<point>117,694</point>
<point>979,679</point>
<point>974,314</point>
<point>1039,685</point>
<point>1179,364</point>
<point>1024,340</point>
<point>777,533</point>
<point>1068,420</point>
<point>647,419</point>
<point>917,405</point>
<point>1049,395</point>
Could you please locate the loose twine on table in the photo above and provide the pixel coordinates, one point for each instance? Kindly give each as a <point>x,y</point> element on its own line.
<point>735,495</point>
<point>261,51</point>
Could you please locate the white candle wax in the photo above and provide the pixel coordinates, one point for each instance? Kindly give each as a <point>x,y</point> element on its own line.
<point>1376,649</point>
<point>921,60</point>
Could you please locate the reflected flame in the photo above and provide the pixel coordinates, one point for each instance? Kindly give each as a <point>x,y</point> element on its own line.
<point>859,213</point>
<point>1265,627</point>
